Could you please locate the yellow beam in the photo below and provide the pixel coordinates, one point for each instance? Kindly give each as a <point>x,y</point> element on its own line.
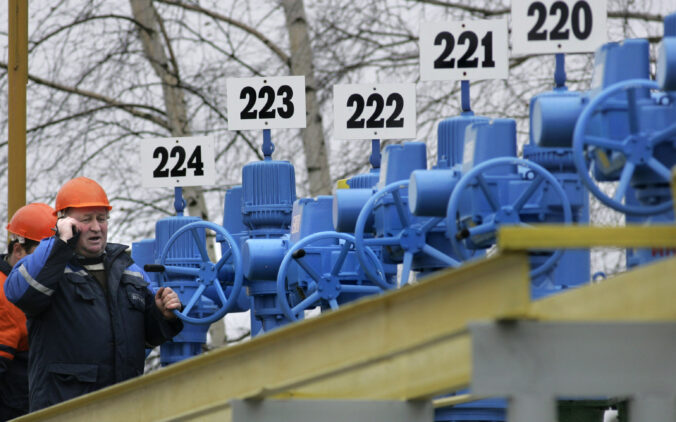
<point>424,371</point>
<point>409,343</point>
<point>559,236</point>
<point>643,294</point>
<point>455,400</point>
<point>17,80</point>
<point>218,412</point>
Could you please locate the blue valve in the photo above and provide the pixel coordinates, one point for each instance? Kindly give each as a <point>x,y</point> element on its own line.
<point>323,287</point>
<point>206,274</point>
<point>485,224</point>
<point>635,151</point>
<point>410,237</point>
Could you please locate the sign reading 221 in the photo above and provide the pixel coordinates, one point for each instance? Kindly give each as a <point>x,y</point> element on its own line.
<point>464,50</point>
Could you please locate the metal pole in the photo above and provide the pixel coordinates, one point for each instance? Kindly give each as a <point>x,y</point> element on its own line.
<point>179,202</point>
<point>464,97</point>
<point>560,71</point>
<point>18,78</point>
<point>374,159</point>
<point>268,146</point>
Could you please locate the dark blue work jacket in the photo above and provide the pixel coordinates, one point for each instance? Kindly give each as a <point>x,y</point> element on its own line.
<point>13,354</point>
<point>84,337</point>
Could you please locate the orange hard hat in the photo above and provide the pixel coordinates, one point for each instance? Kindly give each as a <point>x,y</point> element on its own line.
<point>33,221</point>
<point>81,192</point>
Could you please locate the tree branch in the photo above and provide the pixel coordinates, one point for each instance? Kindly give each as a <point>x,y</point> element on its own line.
<point>172,56</point>
<point>246,28</point>
<point>129,108</point>
<point>86,20</point>
<point>67,118</point>
<point>215,109</point>
<point>625,14</point>
<point>620,14</point>
<point>471,9</point>
<point>241,337</point>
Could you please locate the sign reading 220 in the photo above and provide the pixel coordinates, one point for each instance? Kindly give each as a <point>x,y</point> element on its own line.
<point>266,102</point>
<point>468,50</point>
<point>558,26</point>
<point>170,162</point>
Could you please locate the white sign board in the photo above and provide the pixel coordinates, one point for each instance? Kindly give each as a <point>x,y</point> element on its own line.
<point>558,26</point>
<point>266,103</point>
<point>467,50</point>
<point>170,162</point>
<point>374,111</point>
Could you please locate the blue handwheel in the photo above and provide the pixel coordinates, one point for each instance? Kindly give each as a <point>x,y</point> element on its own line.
<point>637,148</point>
<point>411,238</point>
<point>324,286</point>
<point>207,273</point>
<point>502,213</point>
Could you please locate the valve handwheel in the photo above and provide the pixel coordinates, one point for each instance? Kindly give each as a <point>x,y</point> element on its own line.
<point>637,148</point>
<point>502,213</point>
<point>411,238</point>
<point>207,273</point>
<point>325,286</point>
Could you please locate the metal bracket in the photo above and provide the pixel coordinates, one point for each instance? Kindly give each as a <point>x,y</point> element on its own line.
<point>533,363</point>
<point>331,411</point>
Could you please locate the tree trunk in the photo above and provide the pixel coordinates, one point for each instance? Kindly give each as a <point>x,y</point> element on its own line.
<point>155,46</point>
<point>314,145</point>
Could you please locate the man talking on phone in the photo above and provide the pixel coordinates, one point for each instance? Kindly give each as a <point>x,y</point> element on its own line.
<point>90,309</point>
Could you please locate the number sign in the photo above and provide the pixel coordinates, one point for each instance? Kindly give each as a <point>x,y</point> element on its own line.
<point>468,50</point>
<point>382,111</point>
<point>558,26</point>
<point>266,103</point>
<point>169,162</point>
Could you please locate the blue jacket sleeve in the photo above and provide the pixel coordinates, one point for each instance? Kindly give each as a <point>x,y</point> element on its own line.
<point>36,277</point>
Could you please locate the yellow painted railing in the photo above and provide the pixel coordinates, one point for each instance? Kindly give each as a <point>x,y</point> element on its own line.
<point>407,344</point>
<point>516,238</point>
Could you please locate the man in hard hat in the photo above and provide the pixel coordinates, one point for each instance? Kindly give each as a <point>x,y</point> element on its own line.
<point>90,310</point>
<point>28,226</point>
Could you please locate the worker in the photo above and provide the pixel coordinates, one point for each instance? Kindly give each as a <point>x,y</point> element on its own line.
<point>28,226</point>
<point>90,309</point>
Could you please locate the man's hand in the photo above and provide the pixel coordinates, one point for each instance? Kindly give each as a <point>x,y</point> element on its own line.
<point>166,301</point>
<point>65,227</point>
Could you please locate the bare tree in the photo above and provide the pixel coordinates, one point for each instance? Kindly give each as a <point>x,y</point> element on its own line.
<point>156,45</point>
<point>299,62</point>
<point>316,160</point>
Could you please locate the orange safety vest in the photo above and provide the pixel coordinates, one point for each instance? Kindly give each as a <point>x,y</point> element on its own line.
<point>13,331</point>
